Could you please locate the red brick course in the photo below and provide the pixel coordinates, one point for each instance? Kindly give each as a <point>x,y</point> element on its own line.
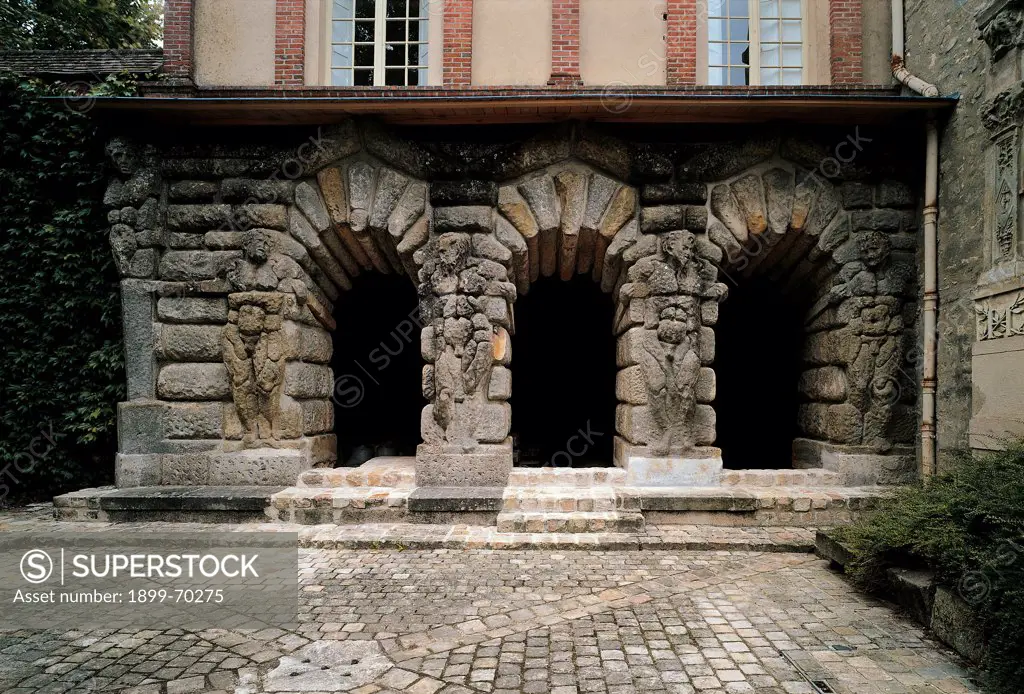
<point>681,42</point>
<point>457,53</point>
<point>565,43</point>
<point>178,38</point>
<point>290,42</point>
<point>845,18</point>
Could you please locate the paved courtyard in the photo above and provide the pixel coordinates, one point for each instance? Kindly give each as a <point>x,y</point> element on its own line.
<point>470,620</point>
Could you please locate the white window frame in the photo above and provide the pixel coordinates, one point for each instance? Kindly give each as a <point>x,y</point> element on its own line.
<point>754,12</point>
<point>379,44</point>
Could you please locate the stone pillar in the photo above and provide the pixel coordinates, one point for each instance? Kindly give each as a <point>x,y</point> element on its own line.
<point>466,299</point>
<point>667,297</point>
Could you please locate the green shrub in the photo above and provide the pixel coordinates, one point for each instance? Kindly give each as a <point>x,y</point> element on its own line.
<point>62,373</point>
<point>968,527</point>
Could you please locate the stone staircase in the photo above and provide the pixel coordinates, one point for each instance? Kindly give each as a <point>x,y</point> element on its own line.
<point>565,500</point>
<point>807,477</point>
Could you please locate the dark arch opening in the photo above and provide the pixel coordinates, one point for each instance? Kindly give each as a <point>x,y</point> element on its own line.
<point>377,369</point>
<point>758,343</point>
<point>563,372</point>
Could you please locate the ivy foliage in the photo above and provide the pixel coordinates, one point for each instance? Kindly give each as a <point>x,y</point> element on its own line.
<point>60,328</point>
<point>967,526</point>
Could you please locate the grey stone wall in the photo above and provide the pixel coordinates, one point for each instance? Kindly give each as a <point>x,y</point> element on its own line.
<point>232,257</point>
<point>943,48</point>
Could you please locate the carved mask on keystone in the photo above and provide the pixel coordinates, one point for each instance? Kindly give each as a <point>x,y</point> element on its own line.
<point>255,247</point>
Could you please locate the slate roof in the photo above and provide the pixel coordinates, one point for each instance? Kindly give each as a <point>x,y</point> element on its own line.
<point>78,63</point>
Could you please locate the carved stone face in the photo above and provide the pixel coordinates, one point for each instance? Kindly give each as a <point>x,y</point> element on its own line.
<point>452,250</point>
<point>250,319</point>
<point>255,247</point>
<point>874,248</point>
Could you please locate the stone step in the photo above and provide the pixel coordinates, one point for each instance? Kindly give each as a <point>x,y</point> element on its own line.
<point>396,473</point>
<point>566,477</point>
<point>811,477</point>
<point>578,522</point>
<point>207,504</point>
<point>600,499</point>
<point>455,499</point>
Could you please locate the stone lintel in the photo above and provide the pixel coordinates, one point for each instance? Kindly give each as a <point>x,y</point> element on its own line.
<point>442,465</point>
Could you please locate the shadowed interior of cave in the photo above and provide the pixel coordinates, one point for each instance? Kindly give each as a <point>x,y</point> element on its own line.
<point>377,369</point>
<point>563,375</point>
<point>758,343</point>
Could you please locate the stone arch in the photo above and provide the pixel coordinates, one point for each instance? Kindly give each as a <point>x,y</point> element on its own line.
<point>853,273</point>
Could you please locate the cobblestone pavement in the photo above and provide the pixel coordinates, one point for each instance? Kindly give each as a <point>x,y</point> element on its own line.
<point>466,620</point>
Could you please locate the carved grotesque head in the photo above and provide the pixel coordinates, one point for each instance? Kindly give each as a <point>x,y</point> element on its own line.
<point>255,247</point>
<point>874,248</point>
<point>452,251</point>
<point>251,319</point>
<point>679,245</point>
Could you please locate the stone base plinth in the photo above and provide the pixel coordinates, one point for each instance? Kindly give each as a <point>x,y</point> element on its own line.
<point>857,465</point>
<point>694,467</point>
<point>439,465</point>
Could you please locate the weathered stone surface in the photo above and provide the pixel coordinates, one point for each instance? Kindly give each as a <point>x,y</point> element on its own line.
<point>308,381</point>
<point>267,191</point>
<point>674,193</point>
<point>390,187</point>
<point>599,196</point>
<point>193,309</point>
<point>259,215</point>
<point>302,231</point>
<point>309,202</point>
<point>507,235</point>
<point>332,187</point>
<point>410,208</point>
<point>197,217</point>
<point>706,388</point>
<point>855,195</point>
<point>727,209</point>
<point>196,265</point>
<point>257,467</point>
<point>826,384</point>
<point>328,666</point>
<point>571,187</point>
<point>470,192</point>
<point>186,343</point>
<point>193,191</point>
<point>308,343</point>
<point>193,382</point>
<point>749,193</point>
<point>500,385</point>
<point>631,386</point>
<point>194,421</point>
<point>957,625</point>
<point>655,220</point>
<point>317,416</point>
<point>136,470</point>
<point>463,219</point>
<point>187,469</point>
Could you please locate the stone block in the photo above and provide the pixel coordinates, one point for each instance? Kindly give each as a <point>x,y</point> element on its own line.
<point>268,191</point>
<point>193,382</point>
<point>704,425</point>
<point>915,591</point>
<point>223,240</point>
<point>193,309</point>
<point>193,191</point>
<point>258,466</point>
<point>697,467</point>
<point>500,385</point>
<point>137,308</point>
<point>317,416</point>
<point>811,419</point>
<point>956,624</point>
<point>844,424</point>
<point>200,420</point>
<point>631,386</point>
<point>707,386</point>
<point>654,220</point>
<point>629,347</point>
<point>186,343</point>
<point>463,219</point>
<point>186,469</point>
<point>827,384</point>
<point>140,426</point>
<point>308,381</point>
<point>136,470</point>
<point>707,346</point>
<point>856,196</point>
<point>308,200</point>
<point>322,450</point>
<point>469,192</point>
<point>232,425</point>
<point>197,217</point>
<point>195,265</point>
<point>143,263</point>
<point>449,466</point>
<point>308,343</point>
<point>290,419</point>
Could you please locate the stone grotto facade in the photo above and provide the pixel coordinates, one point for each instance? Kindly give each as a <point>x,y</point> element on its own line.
<point>232,253</point>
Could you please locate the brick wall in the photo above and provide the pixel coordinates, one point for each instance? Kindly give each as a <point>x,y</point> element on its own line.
<point>681,42</point>
<point>289,42</point>
<point>845,18</point>
<point>457,59</point>
<point>178,38</point>
<point>565,42</point>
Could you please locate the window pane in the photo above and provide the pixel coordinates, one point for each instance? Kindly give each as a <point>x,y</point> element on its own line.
<point>364,78</point>
<point>717,76</point>
<point>341,56</point>
<point>792,56</point>
<point>342,9</point>
<point>791,8</point>
<point>791,30</point>
<point>394,54</point>
<point>739,30</point>
<point>342,32</point>
<point>769,56</point>
<point>738,76</point>
<point>415,32</point>
<point>423,60</point>
<point>770,76</point>
<point>793,78</point>
<point>716,54</point>
<point>739,54</point>
<point>414,54</point>
<point>739,8</point>
<point>396,8</point>
<point>341,78</point>
<point>364,31</point>
<point>366,9</point>
<point>364,56</point>
<point>769,31</point>
<point>770,8</point>
<point>716,8</point>
<point>395,30</point>
<point>394,77</point>
<point>717,29</point>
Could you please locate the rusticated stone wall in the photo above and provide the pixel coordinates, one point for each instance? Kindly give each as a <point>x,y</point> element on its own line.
<point>232,257</point>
